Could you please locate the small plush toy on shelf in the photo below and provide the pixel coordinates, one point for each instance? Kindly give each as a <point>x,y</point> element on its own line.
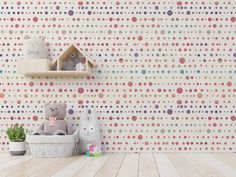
<point>93,151</point>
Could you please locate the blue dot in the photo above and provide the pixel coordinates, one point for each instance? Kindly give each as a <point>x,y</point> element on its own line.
<point>144,71</point>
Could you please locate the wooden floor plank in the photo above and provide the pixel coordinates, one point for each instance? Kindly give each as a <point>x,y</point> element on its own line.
<point>73,168</point>
<point>112,166</point>
<point>18,167</point>
<point>201,166</point>
<point>183,167</point>
<point>165,166</point>
<point>220,166</point>
<point>52,170</point>
<point>30,170</point>
<point>14,161</point>
<point>229,159</point>
<point>147,166</point>
<point>91,169</point>
<point>129,167</point>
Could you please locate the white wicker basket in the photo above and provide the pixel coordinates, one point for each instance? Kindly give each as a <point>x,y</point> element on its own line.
<point>53,146</point>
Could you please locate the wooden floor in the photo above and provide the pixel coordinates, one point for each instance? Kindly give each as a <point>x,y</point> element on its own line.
<point>122,165</point>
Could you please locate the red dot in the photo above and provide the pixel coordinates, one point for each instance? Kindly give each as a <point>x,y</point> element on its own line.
<point>81,90</point>
<point>35,19</point>
<point>179,90</point>
<point>182,60</point>
<point>233,118</point>
<point>233,19</point>
<point>134,19</point>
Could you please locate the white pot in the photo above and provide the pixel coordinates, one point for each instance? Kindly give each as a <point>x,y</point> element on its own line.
<point>17,148</point>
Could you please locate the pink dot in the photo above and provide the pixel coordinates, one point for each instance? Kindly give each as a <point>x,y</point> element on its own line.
<point>179,3</point>
<point>140,137</point>
<point>117,2</point>
<point>229,84</point>
<point>182,60</point>
<point>134,118</point>
<point>35,118</point>
<point>130,84</point>
<point>233,118</point>
<point>80,3</point>
<point>140,38</point>
<point>80,102</point>
<point>179,102</point>
<point>100,95</point>
<point>81,90</point>
<point>233,19</point>
<point>31,84</point>
<point>179,90</point>
<point>134,19</point>
<point>35,19</point>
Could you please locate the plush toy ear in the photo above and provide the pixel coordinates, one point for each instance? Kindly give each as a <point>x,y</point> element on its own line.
<point>26,37</point>
<point>42,37</point>
<point>46,105</point>
<point>64,105</point>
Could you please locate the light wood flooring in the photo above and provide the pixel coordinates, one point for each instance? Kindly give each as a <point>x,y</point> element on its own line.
<point>122,165</point>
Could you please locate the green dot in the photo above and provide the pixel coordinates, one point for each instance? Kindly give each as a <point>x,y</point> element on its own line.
<point>144,71</point>
<point>182,72</point>
<point>198,71</point>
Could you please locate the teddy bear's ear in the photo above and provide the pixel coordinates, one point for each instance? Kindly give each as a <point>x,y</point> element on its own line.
<point>42,37</point>
<point>26,37</point>
<point>46,105</point>
<point>64,105</point>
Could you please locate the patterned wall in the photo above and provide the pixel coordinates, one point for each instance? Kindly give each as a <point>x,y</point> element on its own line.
<point>165,79</point>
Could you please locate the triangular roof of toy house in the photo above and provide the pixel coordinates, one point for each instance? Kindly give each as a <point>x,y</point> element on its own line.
<point>70,50</point>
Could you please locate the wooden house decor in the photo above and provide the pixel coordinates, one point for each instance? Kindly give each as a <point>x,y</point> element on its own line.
<point>70,63</point>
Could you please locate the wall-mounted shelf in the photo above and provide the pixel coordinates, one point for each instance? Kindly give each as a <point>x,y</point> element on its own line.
<point>46,67</point>
<point>58,73</point>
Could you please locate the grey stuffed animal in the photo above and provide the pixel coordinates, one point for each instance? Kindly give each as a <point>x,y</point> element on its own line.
<point>70,63</point>
<point>55,123</point>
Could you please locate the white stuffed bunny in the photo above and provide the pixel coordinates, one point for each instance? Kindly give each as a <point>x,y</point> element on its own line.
<point>89,131</point>
<point>35,48</point>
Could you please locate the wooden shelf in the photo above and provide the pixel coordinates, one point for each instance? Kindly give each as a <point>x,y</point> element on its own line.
<point>58,73</point>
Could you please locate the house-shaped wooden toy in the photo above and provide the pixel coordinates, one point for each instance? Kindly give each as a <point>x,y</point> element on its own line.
<point>73,60</point>
<point>70,63</point>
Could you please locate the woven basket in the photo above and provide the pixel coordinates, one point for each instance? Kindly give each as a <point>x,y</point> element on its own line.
<point>53,146</point>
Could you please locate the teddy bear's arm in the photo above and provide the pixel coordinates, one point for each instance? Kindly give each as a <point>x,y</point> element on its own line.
<point>41,127</point>
<point>69,128</point>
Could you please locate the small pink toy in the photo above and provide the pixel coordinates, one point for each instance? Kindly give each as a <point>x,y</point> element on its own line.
<point>93,150</point>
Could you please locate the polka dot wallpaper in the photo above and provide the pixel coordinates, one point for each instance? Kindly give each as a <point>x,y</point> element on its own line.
<point>166,71</point>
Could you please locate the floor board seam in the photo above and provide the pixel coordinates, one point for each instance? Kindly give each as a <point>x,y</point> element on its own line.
<point>156,165</point>
<point>120,165</point>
